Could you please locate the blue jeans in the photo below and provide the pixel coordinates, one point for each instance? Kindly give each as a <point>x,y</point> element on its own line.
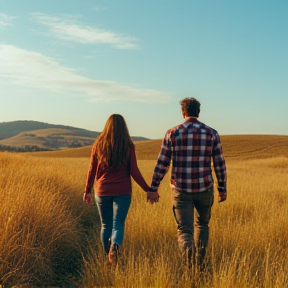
<point>113,211</point>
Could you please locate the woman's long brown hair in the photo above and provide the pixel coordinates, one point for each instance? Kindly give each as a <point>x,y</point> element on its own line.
<point>113,145</point>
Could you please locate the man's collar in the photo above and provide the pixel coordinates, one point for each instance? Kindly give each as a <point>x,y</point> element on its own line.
<point>190,118</point>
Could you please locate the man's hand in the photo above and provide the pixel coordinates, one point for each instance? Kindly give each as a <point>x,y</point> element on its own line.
<point>222,197</point>
<point>87,198</point>
<point>152,197</point>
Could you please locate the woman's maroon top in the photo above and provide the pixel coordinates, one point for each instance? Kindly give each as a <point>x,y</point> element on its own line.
<point>109,181</point>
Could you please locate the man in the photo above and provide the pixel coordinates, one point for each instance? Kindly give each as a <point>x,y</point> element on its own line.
<point>191,146</point>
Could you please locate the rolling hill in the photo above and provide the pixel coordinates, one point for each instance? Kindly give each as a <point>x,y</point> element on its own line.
<point>235,147</point>
<point>13,128</point>
<point>39,136</point>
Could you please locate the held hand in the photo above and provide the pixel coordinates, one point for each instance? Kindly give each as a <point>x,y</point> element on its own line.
<point>87,198</point>
<point>222,197</point>
<point>152,197</point>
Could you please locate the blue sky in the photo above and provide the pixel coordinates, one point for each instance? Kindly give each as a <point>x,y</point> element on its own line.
<point>77,62</point>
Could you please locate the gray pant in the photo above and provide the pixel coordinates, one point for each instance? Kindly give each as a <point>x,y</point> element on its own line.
<point>193,242</point>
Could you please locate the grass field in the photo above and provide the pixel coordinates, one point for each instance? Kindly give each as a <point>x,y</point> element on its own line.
<point>48,235</point>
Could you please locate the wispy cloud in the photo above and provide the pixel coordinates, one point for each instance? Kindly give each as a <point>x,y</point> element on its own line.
<point>71,30</point>
<point>98,8</point>
<point>5,20</point>
<point>31,69</point>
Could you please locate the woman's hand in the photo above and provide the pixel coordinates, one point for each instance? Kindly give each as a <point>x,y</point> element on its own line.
<point>87,198</point>
<point>222,197</point>
<point>152,197</point>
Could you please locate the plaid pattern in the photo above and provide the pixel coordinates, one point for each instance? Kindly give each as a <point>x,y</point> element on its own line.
<point>191,146</point>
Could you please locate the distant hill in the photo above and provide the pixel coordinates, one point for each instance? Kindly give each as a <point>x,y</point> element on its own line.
<point>10,129</point>
<point>39,136</point>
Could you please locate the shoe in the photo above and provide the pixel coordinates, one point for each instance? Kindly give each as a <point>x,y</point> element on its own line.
<point>188,257</point>
<point>107,248</point>
<point>113,254</point>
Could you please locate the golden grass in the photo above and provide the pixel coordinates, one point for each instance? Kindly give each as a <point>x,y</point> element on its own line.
<point>46,230</point>
<point>245,147</point>
<point>82,152</point>
<point>248,236</point>
<point>42,218</point>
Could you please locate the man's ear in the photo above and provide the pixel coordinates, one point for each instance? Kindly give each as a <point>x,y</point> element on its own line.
<point>184,113</point>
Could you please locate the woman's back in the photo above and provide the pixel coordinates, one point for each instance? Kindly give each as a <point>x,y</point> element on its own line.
<point>113,160</point>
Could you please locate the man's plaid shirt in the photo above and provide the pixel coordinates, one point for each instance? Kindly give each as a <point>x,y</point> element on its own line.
<point>191,146</point>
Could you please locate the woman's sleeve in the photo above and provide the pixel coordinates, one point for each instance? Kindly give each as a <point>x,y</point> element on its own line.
<point>135,172</point>
<point>91,173</point>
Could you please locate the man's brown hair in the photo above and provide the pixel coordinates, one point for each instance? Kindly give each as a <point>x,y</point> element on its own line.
<point>191,105</point>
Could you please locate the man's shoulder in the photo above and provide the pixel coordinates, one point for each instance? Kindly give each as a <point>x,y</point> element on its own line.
<point>174,129</point>
<point>200,126</point>
<point>212,130</point>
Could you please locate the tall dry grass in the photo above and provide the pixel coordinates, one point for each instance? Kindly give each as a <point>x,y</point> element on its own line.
<point>48,235</point>
<point>42,220</point>
<point>248,236</point>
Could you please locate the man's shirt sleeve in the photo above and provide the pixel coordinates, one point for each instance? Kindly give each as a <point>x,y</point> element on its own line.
<point>163,163</point>
<point>219,165</point>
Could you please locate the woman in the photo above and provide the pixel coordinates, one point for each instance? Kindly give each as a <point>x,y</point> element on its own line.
<point>113,160</point>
